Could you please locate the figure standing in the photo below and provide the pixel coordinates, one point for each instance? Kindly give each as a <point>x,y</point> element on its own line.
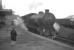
<point>13,36</point>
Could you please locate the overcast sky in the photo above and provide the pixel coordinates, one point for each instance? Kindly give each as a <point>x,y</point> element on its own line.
<point>60,8</point>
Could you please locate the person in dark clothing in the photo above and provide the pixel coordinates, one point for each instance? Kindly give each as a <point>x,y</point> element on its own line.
<point>13,36</point>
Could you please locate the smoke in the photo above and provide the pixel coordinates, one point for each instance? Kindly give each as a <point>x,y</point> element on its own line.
<point>34,5</point>
<point>19,22</point>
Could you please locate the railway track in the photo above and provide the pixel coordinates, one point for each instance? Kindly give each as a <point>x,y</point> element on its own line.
<point>64,40</point>
<point>58,38</point>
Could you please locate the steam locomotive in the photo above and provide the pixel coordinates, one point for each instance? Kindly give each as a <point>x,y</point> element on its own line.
<point>66,27</point>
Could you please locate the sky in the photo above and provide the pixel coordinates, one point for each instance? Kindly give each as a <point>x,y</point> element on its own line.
<point>60,8</point>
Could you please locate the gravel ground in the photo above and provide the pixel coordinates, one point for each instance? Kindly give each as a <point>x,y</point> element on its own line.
<point>26,41</point>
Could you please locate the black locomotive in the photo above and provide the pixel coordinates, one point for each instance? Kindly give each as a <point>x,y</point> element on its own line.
<point>44,27</point>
